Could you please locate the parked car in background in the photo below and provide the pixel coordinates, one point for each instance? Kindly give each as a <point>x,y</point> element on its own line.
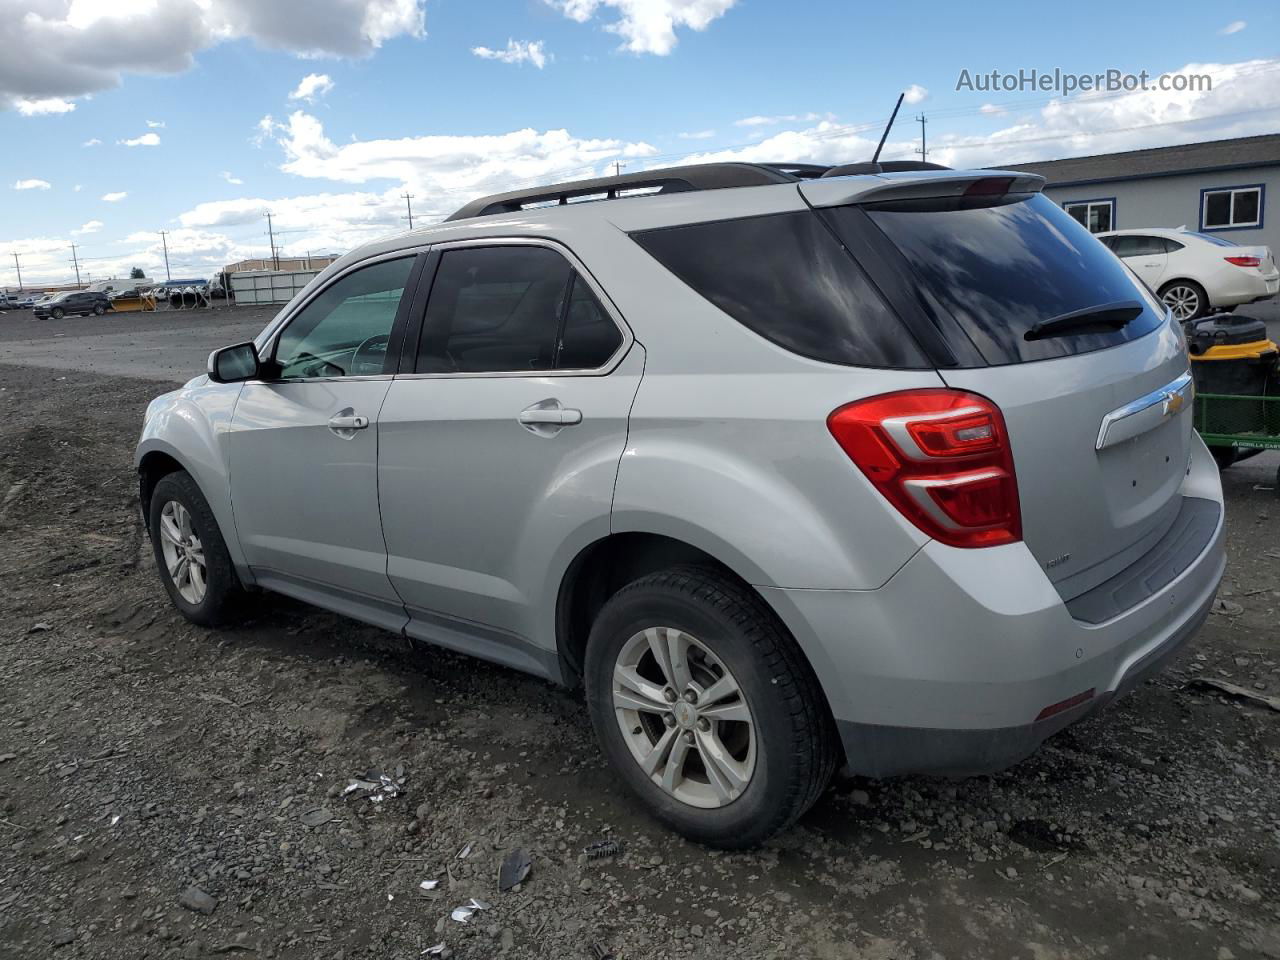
<point>8,302</point>
<point>1194,273</point>
<point>28,300</point>
<point>707,455</point>
<point>74,303</point>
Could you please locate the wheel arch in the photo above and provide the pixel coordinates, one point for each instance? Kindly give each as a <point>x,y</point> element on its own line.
<point>603,567</point>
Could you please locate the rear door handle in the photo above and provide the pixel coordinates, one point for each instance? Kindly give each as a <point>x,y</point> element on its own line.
<point>546,417</point>
<point>553,416</point>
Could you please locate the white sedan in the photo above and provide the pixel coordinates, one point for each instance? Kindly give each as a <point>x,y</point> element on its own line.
<point>1196,272</point>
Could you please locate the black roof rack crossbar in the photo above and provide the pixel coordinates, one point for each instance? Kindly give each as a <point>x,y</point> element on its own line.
<point>700,176</point>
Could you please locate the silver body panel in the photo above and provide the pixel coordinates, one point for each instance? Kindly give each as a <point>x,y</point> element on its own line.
<point>455,514</point>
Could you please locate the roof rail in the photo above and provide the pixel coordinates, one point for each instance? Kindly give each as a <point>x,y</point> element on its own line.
<point>700,176</point>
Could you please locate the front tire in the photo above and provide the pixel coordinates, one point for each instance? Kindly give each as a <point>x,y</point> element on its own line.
<point>706,707</point>
<point>56,313</point>
<point>194,564</point>
<point>1186,299</point>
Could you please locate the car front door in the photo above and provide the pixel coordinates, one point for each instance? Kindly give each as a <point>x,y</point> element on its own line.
<point>499,450</point>
<point>304,440</point>
<point>1145,256</point>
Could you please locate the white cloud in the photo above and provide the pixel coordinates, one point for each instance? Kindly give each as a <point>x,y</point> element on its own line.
<point>1235,26</point>
<point>697,135</point>
<point>32,184</point>
<point>647,26</point>
<point>92,142</point>
<point>146,140</point>
<point>449,169</point>
<point>769,121</point>
<point>914,93</point>
<point>71,48</point>
<point>93,226</point>
<point>264,129</point>
<point>114,197</point>
<point>992,110</point>
<point>311,87</point>
<point>155,124</point>
<point>516,51</point>
<point>77,188</point>
<point>1244,101</point>
<point>228,176</point>
<point>43,106</point>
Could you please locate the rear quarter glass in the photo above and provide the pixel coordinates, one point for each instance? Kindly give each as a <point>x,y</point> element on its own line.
<point>787,278</point>
<point>996,267</point>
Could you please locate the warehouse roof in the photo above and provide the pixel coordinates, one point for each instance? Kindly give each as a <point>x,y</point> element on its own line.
<point>1158,162</point>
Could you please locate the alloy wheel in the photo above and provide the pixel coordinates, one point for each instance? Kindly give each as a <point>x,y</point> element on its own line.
<point>684,717</point>
<point>1183,301</point>
<point>183,552</point>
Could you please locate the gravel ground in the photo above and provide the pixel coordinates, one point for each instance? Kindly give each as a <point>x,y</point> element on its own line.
<point>167,791</point>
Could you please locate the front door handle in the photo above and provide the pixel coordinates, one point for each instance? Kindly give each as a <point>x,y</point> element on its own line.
<point>346,422</point>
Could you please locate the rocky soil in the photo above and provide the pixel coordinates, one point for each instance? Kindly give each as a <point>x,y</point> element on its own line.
<point>167,791</point>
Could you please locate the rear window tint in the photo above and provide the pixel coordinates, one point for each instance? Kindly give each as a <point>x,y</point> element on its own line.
<point>1000,267</point>
<point>786,277</point>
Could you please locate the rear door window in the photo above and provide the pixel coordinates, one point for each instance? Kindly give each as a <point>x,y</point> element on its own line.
<point>997,267</point>
<point>512,309</point>
<point>787,278</point>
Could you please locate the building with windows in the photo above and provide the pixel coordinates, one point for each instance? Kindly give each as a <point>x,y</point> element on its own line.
<point>1220,187</point>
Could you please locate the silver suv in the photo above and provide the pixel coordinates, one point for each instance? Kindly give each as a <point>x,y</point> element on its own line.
<point>790,468</point>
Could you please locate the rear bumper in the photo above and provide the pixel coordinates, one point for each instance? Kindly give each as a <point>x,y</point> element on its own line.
<point>888,751</point>
<point>948,668</point>
<point>1233,288</point>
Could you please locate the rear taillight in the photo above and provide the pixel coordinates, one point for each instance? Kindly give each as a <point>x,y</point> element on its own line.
<point>941,457</point>
<point>1244,261</point>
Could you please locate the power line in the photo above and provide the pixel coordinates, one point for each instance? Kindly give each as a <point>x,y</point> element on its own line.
<point>408,205</point>
<point>76,263</point>
<point>924,148</point>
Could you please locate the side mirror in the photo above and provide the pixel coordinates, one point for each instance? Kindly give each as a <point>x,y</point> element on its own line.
<point>235,363</point>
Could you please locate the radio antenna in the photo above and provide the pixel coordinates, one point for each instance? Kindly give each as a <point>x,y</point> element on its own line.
<point>889,126</point>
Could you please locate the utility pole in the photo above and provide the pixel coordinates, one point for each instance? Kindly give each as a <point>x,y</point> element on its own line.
<point>76,262</point>
<point>408,206</point>
<point>924,150</point>
<point>17,266</point>
<point>275,258</point>
<point>164,239</point>
<point>617,168</point>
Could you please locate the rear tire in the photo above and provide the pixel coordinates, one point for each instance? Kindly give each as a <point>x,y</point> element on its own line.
<point>1186,299</point>
<point>98,311</point>
<point>195,566</point>
<point>781,749</point>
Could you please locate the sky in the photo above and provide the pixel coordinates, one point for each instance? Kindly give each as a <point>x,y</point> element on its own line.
<point>122,119</point>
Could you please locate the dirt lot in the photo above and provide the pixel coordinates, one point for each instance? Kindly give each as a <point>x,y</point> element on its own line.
<point>141,757</point>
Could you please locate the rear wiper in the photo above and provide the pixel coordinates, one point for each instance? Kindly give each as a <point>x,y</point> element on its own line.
<point>1111,315</point>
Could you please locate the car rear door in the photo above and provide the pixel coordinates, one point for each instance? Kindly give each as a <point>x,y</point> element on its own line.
<point>303,444</point>
<point>1146,256</point>
<point>1098,411</point>
<point>500,445</point>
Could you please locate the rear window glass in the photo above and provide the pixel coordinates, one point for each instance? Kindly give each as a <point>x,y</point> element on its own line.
<point>1001,267</point>
<point>786,277</point>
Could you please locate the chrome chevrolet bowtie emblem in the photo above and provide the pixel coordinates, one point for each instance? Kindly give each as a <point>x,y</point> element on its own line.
<point>1173,403</point>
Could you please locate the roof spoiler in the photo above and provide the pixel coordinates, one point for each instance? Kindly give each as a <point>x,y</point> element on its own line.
<point>921,185</point>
